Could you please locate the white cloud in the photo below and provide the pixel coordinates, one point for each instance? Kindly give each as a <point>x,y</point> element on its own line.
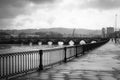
<point>66,13</point>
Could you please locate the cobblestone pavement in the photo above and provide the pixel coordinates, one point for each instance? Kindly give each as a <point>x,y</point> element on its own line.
<point>100,64</point>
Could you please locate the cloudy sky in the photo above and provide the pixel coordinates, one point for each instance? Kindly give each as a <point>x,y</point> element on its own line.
<point>88,14</point>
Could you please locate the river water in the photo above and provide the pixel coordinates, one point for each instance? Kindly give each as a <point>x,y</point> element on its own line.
<point>11,48</point>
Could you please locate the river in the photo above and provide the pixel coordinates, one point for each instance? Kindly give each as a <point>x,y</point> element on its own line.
<point>12,48</point>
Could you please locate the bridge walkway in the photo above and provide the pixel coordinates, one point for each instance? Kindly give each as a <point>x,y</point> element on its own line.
<point>100,64</point>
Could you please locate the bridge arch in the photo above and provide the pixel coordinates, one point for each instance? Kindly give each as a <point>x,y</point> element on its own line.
<point>71,42</point>
<point>39,42</point>
<point>31,43</point>
<point>60,43</point>
<point>50,43</point>
<point>93,41</point>
<point>82,42</point>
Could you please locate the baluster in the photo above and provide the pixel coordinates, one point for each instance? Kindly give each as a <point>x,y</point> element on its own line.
<point>8,65</point>
<point>24,62</point>
<point>50,61</point>
<point>38,60</point>
<point>18,64</point>
<point>1,66</point>
<point>33,60</point>
<point>25,66</point>
<point>27,61</point>
<point>20,69</point>
<point>15,63</point>
<point>48,58</point>
<point>4,66</point>
<point>30,61</point>
<point>11,70</point>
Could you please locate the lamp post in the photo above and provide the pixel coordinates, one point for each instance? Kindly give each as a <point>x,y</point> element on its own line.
<point>116,22</point>
<point>73,34</point>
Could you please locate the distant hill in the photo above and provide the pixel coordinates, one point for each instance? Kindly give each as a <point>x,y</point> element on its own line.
<point>58,30</point>
<point>70,31</point>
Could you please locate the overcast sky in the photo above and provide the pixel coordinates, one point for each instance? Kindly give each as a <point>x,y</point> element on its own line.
<point>88,14</point>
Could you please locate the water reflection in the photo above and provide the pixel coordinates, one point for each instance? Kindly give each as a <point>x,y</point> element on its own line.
<point>10,48</point>
<point>4,46</point>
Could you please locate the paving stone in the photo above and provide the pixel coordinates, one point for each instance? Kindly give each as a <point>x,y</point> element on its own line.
<point>24,79</point>
<point>58,79</point>
<point>44,76</point>
<point>75,79</point>
<point>64,71</point>
<point>105,74</point>
<point>118,76</point>
<point>92,72</point>
<point>74,76</point>
<point>108,78</point>
<point>90,77</point>
<point>37,78</point>
<point>77,72</point>
<point>58,75</point>
<point>52,71</point>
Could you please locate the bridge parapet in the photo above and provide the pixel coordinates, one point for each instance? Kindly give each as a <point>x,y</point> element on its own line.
<point>46,40</point>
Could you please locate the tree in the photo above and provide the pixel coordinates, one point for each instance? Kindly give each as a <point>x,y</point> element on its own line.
<point>4,35</point>
<point>22,35</point>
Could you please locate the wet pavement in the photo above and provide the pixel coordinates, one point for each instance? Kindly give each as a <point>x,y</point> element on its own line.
<point>102,63</point>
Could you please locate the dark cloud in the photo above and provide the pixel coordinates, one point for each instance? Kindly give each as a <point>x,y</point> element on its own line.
<point>12,8</point>
<point>15,3</point>
<point>102,4</point>
<point>42,1</point>
<point>10,12</point>
<point>9,9</point>
<point>5,23</point>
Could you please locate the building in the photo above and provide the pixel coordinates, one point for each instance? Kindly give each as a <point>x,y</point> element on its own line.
<point>103,33</point>
<point>110,30</point>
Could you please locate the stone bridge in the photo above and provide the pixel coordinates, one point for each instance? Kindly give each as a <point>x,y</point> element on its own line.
<point>54,41</point>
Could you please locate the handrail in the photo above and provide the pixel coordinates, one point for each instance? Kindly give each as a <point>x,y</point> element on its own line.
<point>20,62</point>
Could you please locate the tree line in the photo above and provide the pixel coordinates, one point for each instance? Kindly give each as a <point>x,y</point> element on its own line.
<point>26,35</point>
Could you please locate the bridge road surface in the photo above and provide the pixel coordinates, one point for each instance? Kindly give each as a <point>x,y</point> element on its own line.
<point>102,63</point>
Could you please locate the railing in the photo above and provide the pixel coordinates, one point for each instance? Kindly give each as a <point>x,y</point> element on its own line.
<point>52,56</point>
<point>13,63</point>
<point>16,63</point>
